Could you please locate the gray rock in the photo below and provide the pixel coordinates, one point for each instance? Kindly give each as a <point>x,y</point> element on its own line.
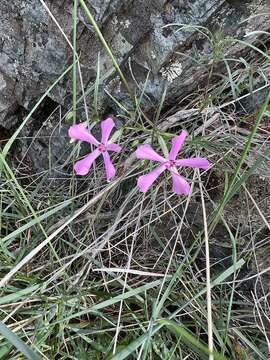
<point>32,55</point>
<point>33,52</point>
<point>103,9</point>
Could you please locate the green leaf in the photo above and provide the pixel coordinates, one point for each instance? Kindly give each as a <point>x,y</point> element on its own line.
<point>4,350</point>
<point>106,46</point>
<point>116,135</point>
<point>113,300</point>
<point>69,116</point>
<point>249,343</point>
<point>163,146</point>
<point>215,216</point>
<point>189,338</point>
<point>18,343</point>
<point>129,349</point>
<point>18,295</point>
<point>228,272</point>
<point>35,221</point>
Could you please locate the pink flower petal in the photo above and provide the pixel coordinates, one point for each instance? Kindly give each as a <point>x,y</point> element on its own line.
<point>83,166</point>
<point>180,185</point>
<point>114,147</point>
<point>106,129</point>
<point>109,168</point>
<point>177,144</point>
<point>79,132</point>
<point>196,162</point>
<point>146,152</point>
<point>144,182</point>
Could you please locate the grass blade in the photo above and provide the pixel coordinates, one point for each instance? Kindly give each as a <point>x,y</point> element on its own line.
<point>114,300</point>
<point>18,343</point>
<point>228,194</point>
<point>18,295</point>
<point>35,221</point>
<point>190,339</point>
<point>106,46</point>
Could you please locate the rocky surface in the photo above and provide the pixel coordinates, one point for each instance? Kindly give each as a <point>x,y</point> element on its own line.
<point>33,52</point>
<point>32,56</point>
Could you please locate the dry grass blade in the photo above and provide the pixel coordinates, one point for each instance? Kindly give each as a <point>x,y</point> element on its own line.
<point>208,278</point>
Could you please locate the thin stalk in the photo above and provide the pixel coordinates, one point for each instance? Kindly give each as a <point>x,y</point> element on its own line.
<point>208,278</point>
<point>106,46</point>
<point>97,87</point>
<point>74,72</point>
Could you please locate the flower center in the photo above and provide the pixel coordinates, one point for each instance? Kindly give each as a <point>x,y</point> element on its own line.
<point>102,147</point>
<point>170,163</point>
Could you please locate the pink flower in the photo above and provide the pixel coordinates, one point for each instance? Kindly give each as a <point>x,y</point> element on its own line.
<point>180,185</point>
<point>79,132</point>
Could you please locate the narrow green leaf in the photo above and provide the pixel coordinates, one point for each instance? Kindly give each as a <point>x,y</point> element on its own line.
<point>132,347</point>
<point>18,343</point>
<point>114,300</point>
<point>4,350</point>
<point>220,279</point>
<point>249,343</point>
<point>18,295</point>
<point>215,216</point>
<point>189,338</point>
<point>228,272</point>
<point>106,46</point>
<point>163,146</point>
<point>35,221</point>
<point>116,135</point>
<point>96,92</point>
<point>74,67</point>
